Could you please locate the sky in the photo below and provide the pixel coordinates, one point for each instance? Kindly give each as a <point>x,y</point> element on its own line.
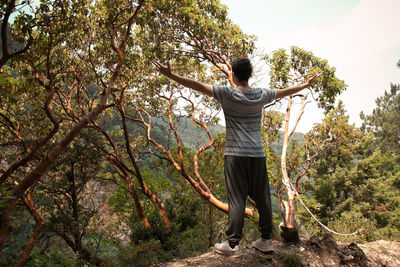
<point>360,38</point>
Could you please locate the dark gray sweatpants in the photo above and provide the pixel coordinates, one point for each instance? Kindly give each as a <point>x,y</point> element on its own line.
<point>247,176</point>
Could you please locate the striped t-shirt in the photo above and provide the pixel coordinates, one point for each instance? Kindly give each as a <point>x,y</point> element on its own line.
<point>243,111</point>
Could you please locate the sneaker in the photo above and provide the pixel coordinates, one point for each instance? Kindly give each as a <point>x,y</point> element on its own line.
<point>224,249</point>
<point>263,245</point>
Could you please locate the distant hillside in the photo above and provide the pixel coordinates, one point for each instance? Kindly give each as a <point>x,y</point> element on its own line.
<point>193,136</point>
<point>277,146</point>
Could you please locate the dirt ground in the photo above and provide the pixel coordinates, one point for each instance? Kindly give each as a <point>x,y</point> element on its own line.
<point>309,252</point>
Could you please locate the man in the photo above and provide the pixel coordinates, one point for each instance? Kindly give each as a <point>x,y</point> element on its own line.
<point>244,165</point>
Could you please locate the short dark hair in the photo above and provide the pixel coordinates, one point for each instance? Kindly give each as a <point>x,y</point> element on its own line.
<point>242,68</point>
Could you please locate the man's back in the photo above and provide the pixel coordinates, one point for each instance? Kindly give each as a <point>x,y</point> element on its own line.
<point>243,113</point>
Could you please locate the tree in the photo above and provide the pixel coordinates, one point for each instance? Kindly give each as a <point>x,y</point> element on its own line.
<point>384,122</point>
<point>361,198</point>
<point>338,145</point>
<point>287,69</point>
<point>67,195</point>
<point>60,62</point>
<point>344,143</point>
<point>77,62</point>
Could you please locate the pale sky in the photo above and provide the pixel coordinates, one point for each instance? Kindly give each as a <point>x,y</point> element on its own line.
<point>360,38</point>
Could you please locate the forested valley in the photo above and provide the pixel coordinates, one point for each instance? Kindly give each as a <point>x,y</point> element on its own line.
<point>104,162</point>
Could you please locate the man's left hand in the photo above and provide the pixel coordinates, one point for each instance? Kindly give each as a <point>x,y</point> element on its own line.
<point>310,81</point>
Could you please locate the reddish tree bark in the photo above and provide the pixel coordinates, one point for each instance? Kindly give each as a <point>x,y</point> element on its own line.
<point>28,202</point>
<point>132,191</point>
<point>37,172</point>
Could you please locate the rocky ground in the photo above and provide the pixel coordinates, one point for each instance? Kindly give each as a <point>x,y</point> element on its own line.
<point>309,252</point>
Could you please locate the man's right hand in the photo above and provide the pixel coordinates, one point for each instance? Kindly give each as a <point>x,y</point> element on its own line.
<point>163,69</point>
<point>187,82</point>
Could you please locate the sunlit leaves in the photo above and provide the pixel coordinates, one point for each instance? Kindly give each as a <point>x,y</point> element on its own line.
<point>341,141</point>
<point>297,66</point>
<point>384,121</point>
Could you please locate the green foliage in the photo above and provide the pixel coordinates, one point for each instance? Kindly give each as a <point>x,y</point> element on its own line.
<point>352,221</point>
<point>189,234</point>
<point>8,255</point>
<point>353,184</point>
<point>288,69</point>
<point>177,22</point>
<point>272,123</point>
<point>57,255</point>
<point>338,141</point>
<point>384,122</point>
<point>362,198</point>
<point>5,196</point>
<point>271,135</point>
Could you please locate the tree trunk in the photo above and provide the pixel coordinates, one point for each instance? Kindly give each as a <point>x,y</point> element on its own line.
<point>139,209</point>
<point>289,232</point>
<point>39,223</point>
<point>29,247</point>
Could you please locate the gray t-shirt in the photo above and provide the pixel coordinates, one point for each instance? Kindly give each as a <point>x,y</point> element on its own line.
<point>243,112</point>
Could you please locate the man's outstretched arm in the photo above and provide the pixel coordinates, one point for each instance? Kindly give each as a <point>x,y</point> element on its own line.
<point>187,82</point>
<point>296,88</point>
